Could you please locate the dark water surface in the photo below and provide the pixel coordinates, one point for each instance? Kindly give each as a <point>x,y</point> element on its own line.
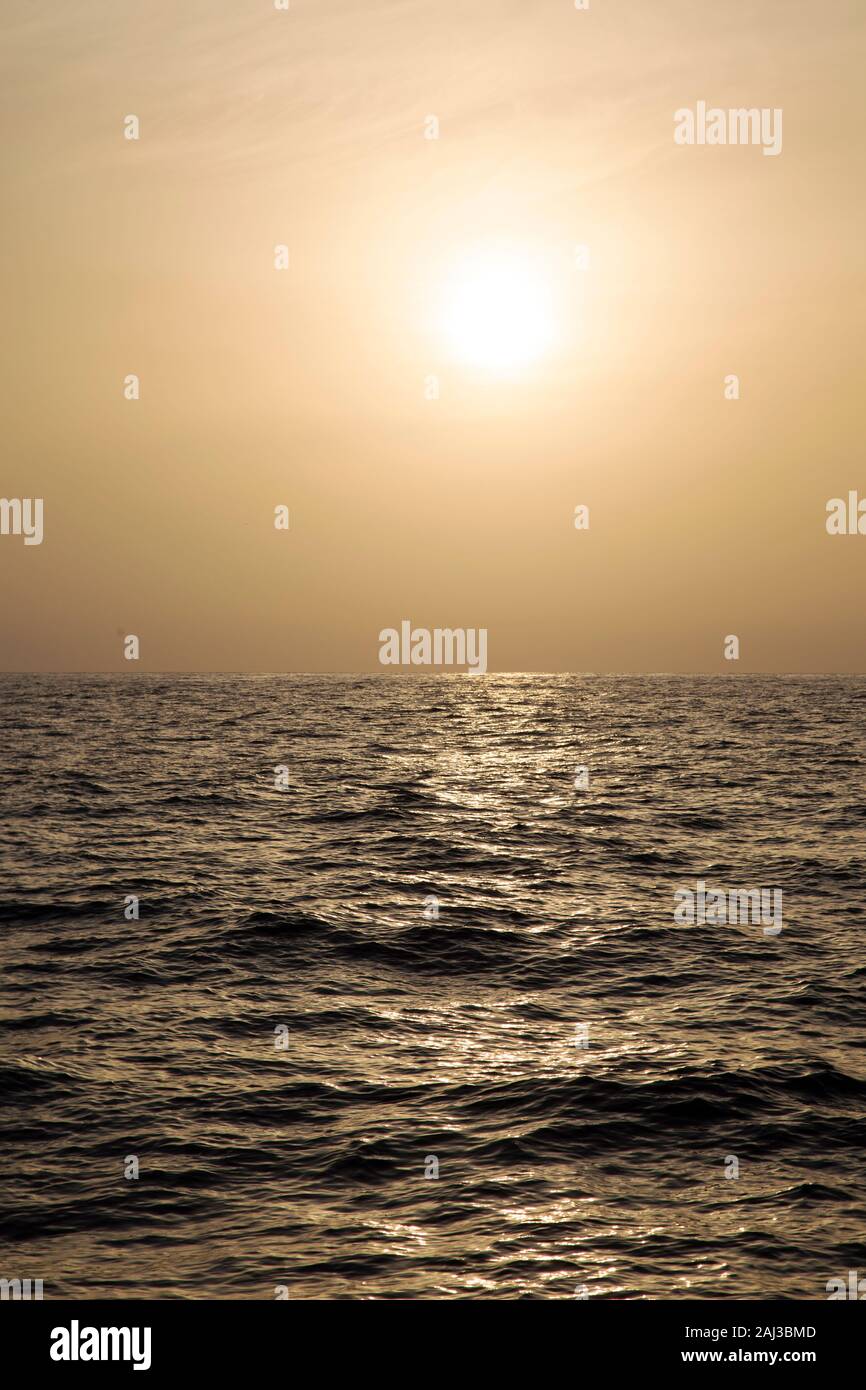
<point>560,1166</point>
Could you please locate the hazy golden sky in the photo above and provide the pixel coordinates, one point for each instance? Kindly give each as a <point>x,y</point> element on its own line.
<point>307,386</point>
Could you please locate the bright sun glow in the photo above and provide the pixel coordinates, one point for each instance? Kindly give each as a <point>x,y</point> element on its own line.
<point>498,311</point>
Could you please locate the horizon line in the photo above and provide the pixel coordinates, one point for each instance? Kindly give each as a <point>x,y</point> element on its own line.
<point>437,674</point>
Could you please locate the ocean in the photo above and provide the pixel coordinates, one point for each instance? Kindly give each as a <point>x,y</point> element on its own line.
<point>406,1013</point>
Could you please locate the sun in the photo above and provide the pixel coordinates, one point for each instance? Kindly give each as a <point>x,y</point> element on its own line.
<point>497,310</point>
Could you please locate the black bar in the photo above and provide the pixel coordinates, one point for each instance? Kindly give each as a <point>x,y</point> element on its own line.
<point>244,1336</point>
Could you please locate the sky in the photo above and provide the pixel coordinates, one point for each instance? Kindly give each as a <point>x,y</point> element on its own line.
<point>431,430</point>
